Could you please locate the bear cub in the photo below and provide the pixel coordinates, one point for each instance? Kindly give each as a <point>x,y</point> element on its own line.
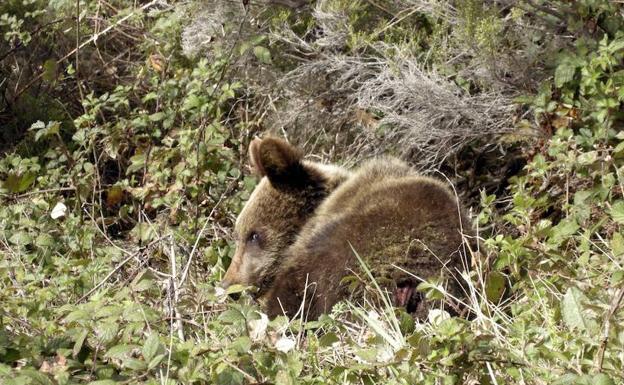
<point>296,236</point>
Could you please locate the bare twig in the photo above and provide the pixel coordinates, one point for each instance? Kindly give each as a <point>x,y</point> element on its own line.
<point>547,10</point>
<point>118,267</point>
<point>84,44</point>
<point>288,3</point>
<point>33,33</point>
<point>201,233</point>
<point>50,190</point>
<point>615,304</point>
<point>214,106</point>
<point>174,294</point>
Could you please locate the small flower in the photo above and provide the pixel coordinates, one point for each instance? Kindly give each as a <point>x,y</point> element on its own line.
<point>285,344</point>
<point>58,211</point>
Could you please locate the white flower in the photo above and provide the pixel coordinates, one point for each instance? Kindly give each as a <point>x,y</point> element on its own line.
<point>436,316</point>
<point>221,294</point>
<point>385,354</point>
<point>372,314</point>
<point>58,211</point>
<point>285,344</point>
<point>219,291</point>
<point>257,327</point>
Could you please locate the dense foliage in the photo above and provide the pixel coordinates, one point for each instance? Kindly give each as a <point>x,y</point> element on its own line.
<point>124,127</point>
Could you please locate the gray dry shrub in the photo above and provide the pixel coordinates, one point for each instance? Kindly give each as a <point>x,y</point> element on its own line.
<point>212,27</point>
<point>382,100</point>
<point>428,115</point>
<point>347,104</point>
<point>393,104</point>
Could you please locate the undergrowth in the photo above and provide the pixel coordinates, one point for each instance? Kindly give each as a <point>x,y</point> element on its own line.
<point>124,138</point>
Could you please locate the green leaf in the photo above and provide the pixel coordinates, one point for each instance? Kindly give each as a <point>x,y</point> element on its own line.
<point>19,183</point>
<point>616,45</point>
<point>229,376</point>
<point>406,322</point>
<point>495,286</point>
<point>144,232</point>
<point>588,158</point>
<point>149,96</point>
<point>155,361</point>
<point>21,238</point>
<point>53,128</point>
<point>107,311</point>
<point>567,379</point>
<point>79,342</point>
<point>617,245</point>
<point>150,347</point>
<point>192,101</point>
<point>5,370</point>
<point>25,181</point>
<point>602,379</point>
<point>284,378</point>
<point>572,309</point>
<point>234,289</point>
<point>107,330</point>
<point>369,355</point>
<point>36,377</point>
<point>563,230</point>
<point>44,241</point>
<point>581,196</point>
<point>564,73</point>
<point>144,284</point>
<point>137,163</point>
<point>617,211</point>
<point>120,351</point>
<point>157,117</point>
<point>133,363</point>
<point>80,137</point>
<point>77,315</point>
<point>617,277</point>
<point>49,70</point>
<point>263,54</point>
<point>328,339</point>
<point>11,182</point>
<point>241,344</point>
<point>231,316</point>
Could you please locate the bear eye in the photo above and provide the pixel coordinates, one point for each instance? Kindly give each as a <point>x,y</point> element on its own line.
<point>253,237</point>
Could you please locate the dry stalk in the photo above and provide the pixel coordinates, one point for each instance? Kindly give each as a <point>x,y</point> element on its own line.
<point>615,304</point>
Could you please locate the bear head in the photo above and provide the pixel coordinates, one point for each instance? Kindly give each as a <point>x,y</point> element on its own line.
<point>287,195</point>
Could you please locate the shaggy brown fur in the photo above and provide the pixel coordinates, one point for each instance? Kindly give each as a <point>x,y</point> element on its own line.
<point>304,220</point>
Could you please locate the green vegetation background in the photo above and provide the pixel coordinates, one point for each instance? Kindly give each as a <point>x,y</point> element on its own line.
<point>124,127</point>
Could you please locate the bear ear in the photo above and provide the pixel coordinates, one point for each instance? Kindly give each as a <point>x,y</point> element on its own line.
<point>279,161</point>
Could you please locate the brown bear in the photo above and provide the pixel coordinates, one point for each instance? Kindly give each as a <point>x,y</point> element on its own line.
<point>298,235</point>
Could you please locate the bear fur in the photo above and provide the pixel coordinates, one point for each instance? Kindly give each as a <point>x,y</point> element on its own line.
<point>296,235</point>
